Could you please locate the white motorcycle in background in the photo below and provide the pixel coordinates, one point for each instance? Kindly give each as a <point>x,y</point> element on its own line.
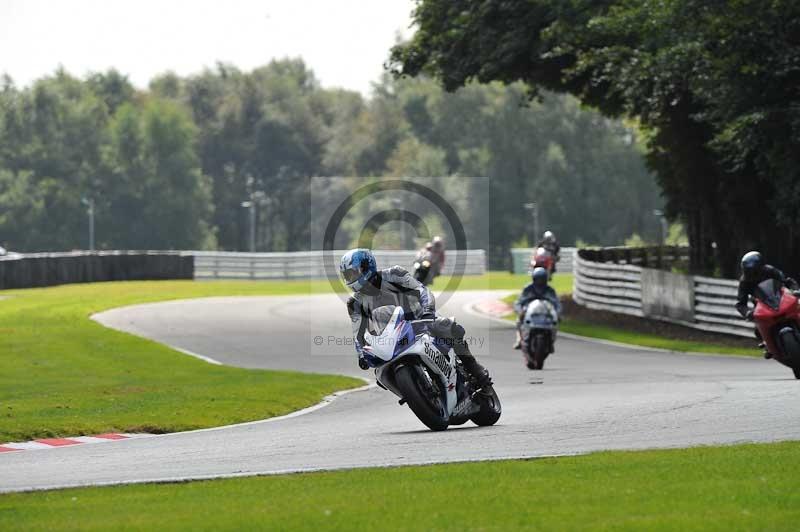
<point>538,330</point>
<point>425,374</point>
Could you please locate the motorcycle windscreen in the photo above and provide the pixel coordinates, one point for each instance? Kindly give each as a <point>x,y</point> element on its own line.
<point>385,340</point>
<point>539,314</point>
<point>380,318</point>
<point>769,293</point>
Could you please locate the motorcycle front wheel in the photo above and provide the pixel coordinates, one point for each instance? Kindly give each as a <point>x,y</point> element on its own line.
<point>791,347</point>
<point>490,409</point>
<point>423,396</point>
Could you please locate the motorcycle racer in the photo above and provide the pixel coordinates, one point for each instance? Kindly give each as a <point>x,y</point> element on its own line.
<point>375,288</point>
<point>537,289</point>
<point>755,271</point>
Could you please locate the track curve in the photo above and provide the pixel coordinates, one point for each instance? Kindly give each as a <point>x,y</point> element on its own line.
<point>590,397</point>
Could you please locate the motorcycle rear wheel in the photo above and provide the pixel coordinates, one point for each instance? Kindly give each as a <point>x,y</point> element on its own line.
<point>408,381</point>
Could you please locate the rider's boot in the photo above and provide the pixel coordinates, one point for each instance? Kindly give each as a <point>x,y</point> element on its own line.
<point>449,328</point>
<point>473,367</point>
<point>518,342</point>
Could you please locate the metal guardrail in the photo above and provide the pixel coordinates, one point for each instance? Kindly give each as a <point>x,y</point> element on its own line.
<point>521,259</point>
<point>310,264</point>
<point>617,288</point>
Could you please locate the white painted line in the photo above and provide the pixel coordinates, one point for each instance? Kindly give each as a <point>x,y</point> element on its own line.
<point>89,439</point>
<point>322,404</point>
<point>196,355</point>
<point>28,445</point>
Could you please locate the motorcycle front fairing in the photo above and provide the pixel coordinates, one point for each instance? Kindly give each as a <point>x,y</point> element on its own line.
<point>540,314</point>
<point>398,343</point>
<point>774,306</point>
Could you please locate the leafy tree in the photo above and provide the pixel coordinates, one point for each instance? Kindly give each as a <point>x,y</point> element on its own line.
<point>713,83</point>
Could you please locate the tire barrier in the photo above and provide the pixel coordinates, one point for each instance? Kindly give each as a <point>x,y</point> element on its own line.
<point>49,269</point>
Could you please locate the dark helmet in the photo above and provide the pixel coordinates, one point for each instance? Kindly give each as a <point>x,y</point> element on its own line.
<point>752,263</point>
<point>540,276</point>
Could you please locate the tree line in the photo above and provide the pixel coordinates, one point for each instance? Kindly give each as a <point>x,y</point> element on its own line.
<point>170,167</point>
<point>712,83</point>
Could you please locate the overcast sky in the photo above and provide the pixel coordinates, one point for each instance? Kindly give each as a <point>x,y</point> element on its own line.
<point>345,42</point>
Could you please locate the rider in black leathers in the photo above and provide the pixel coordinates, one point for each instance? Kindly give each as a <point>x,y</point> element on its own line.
<point>754,272</point>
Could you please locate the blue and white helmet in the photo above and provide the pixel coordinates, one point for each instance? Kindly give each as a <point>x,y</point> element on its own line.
<point>357,267</point>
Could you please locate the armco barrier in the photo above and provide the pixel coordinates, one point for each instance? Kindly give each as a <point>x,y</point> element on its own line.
<point>521,260</point>
<point>617,287</point>
<point>310,264</point>
<point>48,269</point>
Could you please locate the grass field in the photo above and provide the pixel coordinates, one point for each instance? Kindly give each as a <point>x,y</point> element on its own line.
<point>62,374</point>
<point>648,340</point>
<point>745,487</point>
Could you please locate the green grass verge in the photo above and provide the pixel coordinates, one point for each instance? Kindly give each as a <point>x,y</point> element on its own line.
<point>744,487</point>
<point>647,340</point>
<point>62,374</point>
<point>604,332</point>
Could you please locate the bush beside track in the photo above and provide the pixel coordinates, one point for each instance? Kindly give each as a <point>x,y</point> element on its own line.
<point>744,487</point>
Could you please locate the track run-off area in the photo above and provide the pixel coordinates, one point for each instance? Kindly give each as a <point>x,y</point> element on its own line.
<point>591,396</point>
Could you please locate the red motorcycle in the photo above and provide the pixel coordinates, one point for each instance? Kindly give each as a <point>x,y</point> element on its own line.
<point>777,318</point>
<point>542,258</point>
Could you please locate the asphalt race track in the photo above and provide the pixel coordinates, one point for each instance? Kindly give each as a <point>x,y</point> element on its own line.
<point>591,396</point>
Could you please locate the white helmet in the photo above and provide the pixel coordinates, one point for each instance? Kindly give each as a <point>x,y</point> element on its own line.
<point>549,237</point>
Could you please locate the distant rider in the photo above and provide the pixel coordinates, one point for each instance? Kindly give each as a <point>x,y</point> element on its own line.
<point>537,289</point>
<point>423,255</point>
<point>425,252</point>
<point>754,272</point>
<point>437,255</point>
<point>396,286</point>
<point>550,243</point>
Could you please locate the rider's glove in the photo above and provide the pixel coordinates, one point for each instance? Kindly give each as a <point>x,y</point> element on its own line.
<point>428,314</point>
<point>749,315</point>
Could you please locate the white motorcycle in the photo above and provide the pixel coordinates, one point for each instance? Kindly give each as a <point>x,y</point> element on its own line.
<point>538,330</point>
<point>425,373</point>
